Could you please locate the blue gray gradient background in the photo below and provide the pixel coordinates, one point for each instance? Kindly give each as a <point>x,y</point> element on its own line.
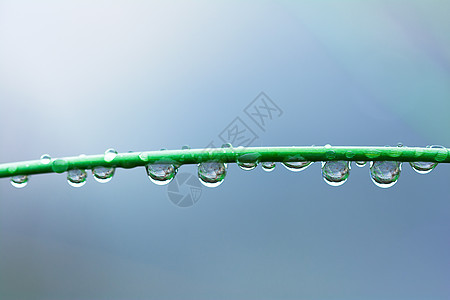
<point>82,76</point>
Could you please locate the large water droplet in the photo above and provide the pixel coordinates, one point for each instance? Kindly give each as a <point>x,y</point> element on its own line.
<point>76,177</point>
<point>385,173</point>
<point>161,173</point>
<point>268,166</point>
<point>212,173</point>
<point>103,174</point>
<point>45,159</point>
<point>335,173</point>
<point>296,166</point>
<point>19,181</point>
<point>110,154</point>
<point>360,163</point>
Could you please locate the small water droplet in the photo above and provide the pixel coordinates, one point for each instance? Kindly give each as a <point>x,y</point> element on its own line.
<point>103,174</point>
<point>349,154</point>
<point>268,166</point>
<point>399,144</point>
<point>227,145</point>
<point>185,147</point>
<point>360,163</point>
<point>110,154</point>
<point>335,173</point>
<point>161,173</point>
<point>296,166</point>
<point>211,173</point>
<point>373,153</point>
<point>248,161</point>
<point>60,165</point>
<point>143,156</point>
<point>12,169</point>
<point>45,159</point>
<point>19,181</point>
<point>442,153</point>
<point>385,173</point>
<point>328,146</point>
<point>76,177</point>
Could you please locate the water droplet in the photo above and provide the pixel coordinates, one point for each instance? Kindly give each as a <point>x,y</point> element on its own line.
<point>328,146</point>
<point>76,177</point>
<point>143,156</point>
<point>399,144</point>
<point>422,167</point>
<point>385,173</point>
<point>360,163</point>
<point>186,147</point>
<point>227,145</point>
<point>349,154</point>
<point>45,159</point>
<point>110,154</point>
<point>103,174</point>
<point>442,152</point>
<point>60,165</point>
<point>212,173</point>
<point>296,166</point>
<point>335,173</point>
<point>373,153</point>
<point>268,166</point>
<point>161,173</point>
<point>19,181</point>
<point>12,169</point>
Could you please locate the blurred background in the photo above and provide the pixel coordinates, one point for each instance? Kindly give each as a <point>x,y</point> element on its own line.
<point>78,77</point>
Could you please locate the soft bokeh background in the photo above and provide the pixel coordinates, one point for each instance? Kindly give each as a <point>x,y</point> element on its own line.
<point>82,76</point>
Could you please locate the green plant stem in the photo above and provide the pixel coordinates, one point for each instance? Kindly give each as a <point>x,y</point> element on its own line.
<point>228,155</point>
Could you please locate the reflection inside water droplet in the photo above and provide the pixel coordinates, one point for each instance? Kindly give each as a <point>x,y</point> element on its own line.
<point>296,166</point>
<point>268,166</point>
<point>103,174</point>
<point>335,173</point>
<point>19,181</point>
<point>385,173</point>
<point>161,173</point>
<point>76,177</point>
<point>212,173</point>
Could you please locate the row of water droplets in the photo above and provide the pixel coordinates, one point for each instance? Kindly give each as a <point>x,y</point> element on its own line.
<point>212,173</point>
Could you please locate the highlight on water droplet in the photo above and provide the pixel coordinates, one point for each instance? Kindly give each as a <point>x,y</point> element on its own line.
<point>103,174</point>
<point>385,173</point>
<point>76,177</point>
<point>19,181</point>
<point>45,159</point>
<point>110,154</point>
<point>360,163</point>
<point>335,173</point>
<point>211,173</point>
<point>268,166</point>
<point>248,161</point>
<point>161,173</point>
